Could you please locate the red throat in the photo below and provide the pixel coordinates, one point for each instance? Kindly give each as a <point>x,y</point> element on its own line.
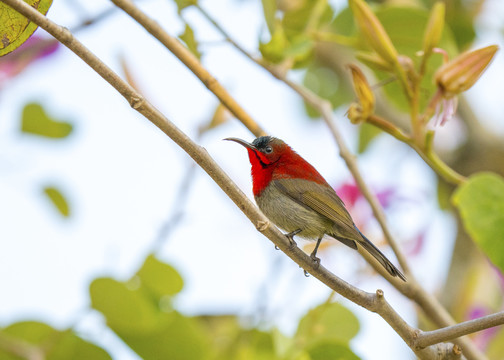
<point>288,166</point>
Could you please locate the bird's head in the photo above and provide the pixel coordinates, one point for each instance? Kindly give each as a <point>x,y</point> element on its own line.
<point>264,150</point>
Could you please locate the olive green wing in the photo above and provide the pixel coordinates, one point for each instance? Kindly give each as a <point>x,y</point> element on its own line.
<point>324,201</point>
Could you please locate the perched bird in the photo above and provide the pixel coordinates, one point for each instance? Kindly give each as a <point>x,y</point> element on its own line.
<point>295,197</point>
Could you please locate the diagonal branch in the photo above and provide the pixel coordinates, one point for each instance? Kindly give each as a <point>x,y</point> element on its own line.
<point>373,302</point>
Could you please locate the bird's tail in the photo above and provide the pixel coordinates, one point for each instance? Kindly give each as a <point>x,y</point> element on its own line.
<point>377,254</point>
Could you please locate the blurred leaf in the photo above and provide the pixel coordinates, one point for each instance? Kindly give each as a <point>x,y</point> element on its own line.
<point>274,50</point>
<point>137,318</point>
<point>405,26</point>
<point>58,200</point>
<point>188,38</point>
<point>300,19</point>
<point>128,311</point>
<point>327,322</point>
<point>367,133</point>
<point>220,116</point>
<point>480,202</point>
<point>56,345</point>
<point>176,338</point>
<point>269,10</point>
<point>36,121</point>
<point>331,350</point>
<point>182,4</point>
<point>15,29</point>
<point>326,83</point>
<point>159,277</point>
<point>461,16</point>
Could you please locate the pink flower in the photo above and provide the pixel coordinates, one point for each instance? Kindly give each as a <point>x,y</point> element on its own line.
<point>33,49</point>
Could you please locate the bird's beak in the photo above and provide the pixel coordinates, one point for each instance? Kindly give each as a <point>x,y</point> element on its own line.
<point>242,142</point>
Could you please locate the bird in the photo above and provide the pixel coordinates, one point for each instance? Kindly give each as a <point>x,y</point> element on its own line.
<point>293,195</point>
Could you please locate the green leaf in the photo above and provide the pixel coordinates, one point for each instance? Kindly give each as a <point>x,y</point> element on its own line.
<point>326,83</point>
<point>331,350</point>
<point>327,322</point>
<point>57,345</point>
<point>137,318</point>
<point>296,21</point>
<point>58,200</point>
<point>36,121</point>
<point>15,29</point>
<point>160,278</point>
<point>367,133</point>
<point>188,38</point>
<point>269,10</point>
<point>274,50</point>
<point>182,4</point>
<point>127,310</point>
<point>480,202</point>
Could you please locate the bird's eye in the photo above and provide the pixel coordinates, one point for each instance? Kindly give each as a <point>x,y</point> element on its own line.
<point>268,149</point>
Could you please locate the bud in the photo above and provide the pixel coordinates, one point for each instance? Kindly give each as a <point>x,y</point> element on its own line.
<point>373,31</point>
<point>360,112</point>
<point>434,28</point>
<point>463,71</point>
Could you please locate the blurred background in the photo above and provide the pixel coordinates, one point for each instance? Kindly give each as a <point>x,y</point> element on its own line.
<point>107,230</point>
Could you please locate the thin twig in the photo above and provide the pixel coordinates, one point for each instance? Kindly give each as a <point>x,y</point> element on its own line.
<point>373,302</point>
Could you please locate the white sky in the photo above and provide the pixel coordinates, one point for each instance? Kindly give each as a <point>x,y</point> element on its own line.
<point>120,174</point>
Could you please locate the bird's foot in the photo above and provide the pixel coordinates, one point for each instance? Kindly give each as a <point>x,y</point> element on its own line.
<point>315,260</point>
<point>316,264</point>
<point>290,237</point>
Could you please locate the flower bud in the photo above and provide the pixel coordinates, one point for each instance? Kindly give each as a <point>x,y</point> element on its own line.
<point>373,31</point>
<point>366,100</point>
<point>462,72</point>
<point>434,28</point>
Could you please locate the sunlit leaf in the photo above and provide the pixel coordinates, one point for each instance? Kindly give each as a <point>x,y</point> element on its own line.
<point>188,38</point>
<point>182,4</point>
<point>126,310</point>
<point>37,122</point>
<point>15,29</point>
<point>137,317</point>
<point>331,350</point>
<point>56,345</point>
<point>269,10</point>
<point>327,322</point>
<point>274,50</point>
<point>480,202</point>
<point>160,278</point>
<point>58,200</point>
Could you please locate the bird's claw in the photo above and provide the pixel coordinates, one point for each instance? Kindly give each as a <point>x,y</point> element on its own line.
<point>290,237</point>
<point>316,260</point>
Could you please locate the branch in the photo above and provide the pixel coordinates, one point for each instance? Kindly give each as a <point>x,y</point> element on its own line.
<point>464,328</point>
<point>373,302</point>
